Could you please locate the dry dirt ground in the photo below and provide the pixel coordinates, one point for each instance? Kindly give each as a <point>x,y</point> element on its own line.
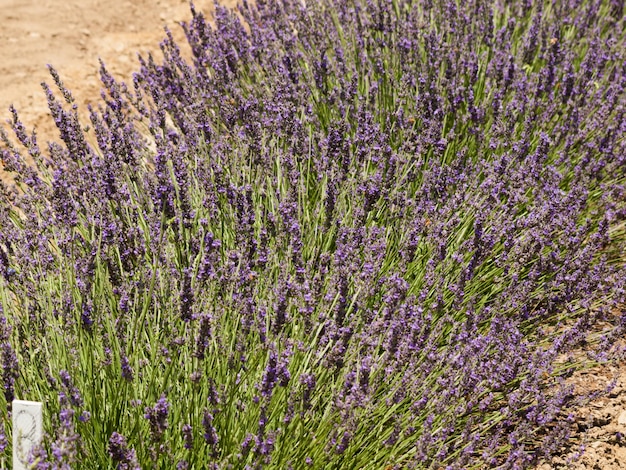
<point>600,427</point>
<point>72,34</point>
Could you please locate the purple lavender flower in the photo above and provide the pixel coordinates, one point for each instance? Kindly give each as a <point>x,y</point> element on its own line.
<point>188,436</point>
<point>204,335</point>
<point>128,373</point>
<point>72,392</point>
<point>158,417</point>
<point>210,433</point>
<point>124,457</point>
<point>9,360</point>
<point>65,448</point>
<point>3,439</point>
<point>187,297</point>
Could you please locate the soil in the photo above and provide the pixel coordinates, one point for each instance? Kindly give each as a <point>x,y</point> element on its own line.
<point>72,35</point>
<point>599,431</point>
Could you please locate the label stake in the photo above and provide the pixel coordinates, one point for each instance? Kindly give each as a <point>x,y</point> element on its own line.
<point>27,430</point>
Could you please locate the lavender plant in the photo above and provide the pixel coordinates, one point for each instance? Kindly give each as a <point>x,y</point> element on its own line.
<point>349,234</point>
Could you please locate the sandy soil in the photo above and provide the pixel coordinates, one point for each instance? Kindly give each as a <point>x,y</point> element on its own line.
<point>72,34</point>
<point>600,427</point>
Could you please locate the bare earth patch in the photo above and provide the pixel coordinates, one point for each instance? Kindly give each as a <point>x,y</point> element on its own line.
<point>600,427</point>
<point>72,35</point>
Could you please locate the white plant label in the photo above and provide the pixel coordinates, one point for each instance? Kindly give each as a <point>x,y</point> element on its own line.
<point>27,430</point>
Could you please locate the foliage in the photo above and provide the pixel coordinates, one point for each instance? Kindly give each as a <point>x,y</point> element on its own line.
<point>343,235</point>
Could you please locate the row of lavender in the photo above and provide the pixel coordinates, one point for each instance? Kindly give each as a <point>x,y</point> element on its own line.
<point>344,235</point>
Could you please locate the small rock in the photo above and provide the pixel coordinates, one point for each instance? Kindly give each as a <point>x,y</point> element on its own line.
<point>619,439</point>
<point>621,420</point>
<point>601,420</point>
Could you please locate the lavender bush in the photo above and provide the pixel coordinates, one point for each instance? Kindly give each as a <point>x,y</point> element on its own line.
<point>343,235</point>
